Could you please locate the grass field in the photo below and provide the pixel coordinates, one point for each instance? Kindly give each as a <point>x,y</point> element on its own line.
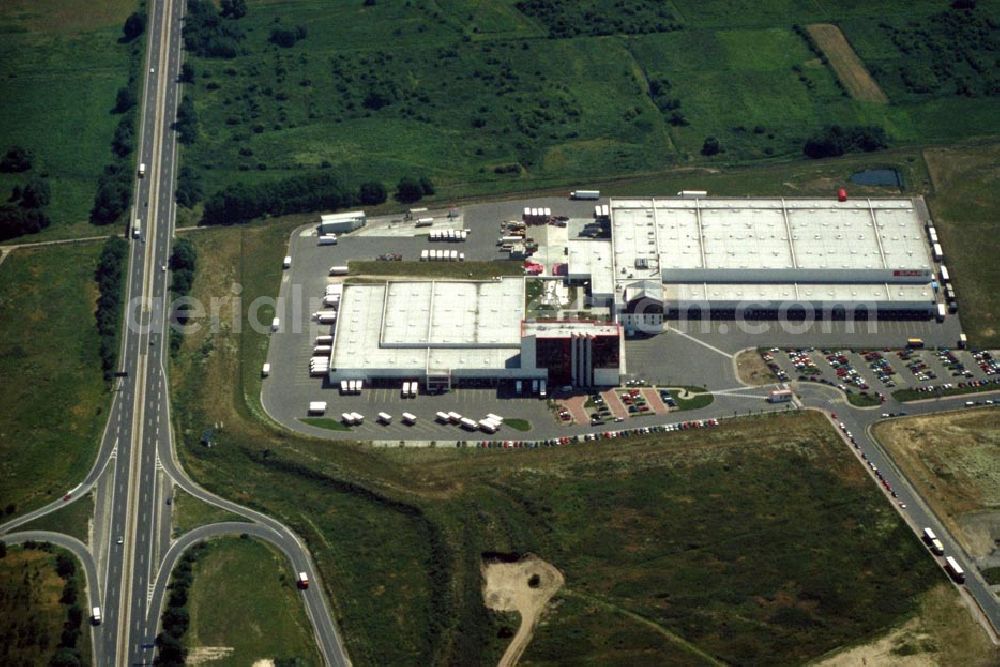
<point>55,398</point>
<point>941,633</point>
<point>482,100</point>
<point>399,534</point>
<point>61,64</point>
<point>31,613</point>
<point>439,270</point>
<point>189,512</point>
<point>694,402</point>
<point>752,370</point>
<point>243,596</point>
<point>74,519</point>
<point>906,395</point>
<point>964,203</point>
<point>951,460</point>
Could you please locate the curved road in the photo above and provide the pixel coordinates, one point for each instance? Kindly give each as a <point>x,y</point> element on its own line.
<point>78,549</point>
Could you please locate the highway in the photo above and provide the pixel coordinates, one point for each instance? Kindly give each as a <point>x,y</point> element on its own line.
<point>136,467</point>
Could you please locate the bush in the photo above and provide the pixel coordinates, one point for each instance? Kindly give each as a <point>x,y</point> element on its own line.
<point>124,141</point>
<point>372,193</point>
<point>836,140</point>
<point>16,221</point>
<point>187,122</point>
<point>207,34</point>
<point>187,73</point>
<point>125,99</point>
<point>408,190</point>
<point>189,188</point>
<point>134,26</point>
<point>35,194</point>
<point>711,146</point>
<point>110,283</point>
<point>15,160</point>
<point>114,190</point>
<point>286,37</point>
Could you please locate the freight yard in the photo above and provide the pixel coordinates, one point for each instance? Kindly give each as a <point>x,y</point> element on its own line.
<point>659,292</point>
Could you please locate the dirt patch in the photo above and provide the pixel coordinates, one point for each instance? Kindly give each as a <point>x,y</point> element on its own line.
<point>846,63</point>
<point>751,369</point>
<point>524,587</point>
<point>264,662</point>
<point>199,655</point>
<point>881,651</point>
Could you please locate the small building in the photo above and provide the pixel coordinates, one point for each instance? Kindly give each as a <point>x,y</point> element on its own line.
<point>341,223</point>
<point>780,395</point>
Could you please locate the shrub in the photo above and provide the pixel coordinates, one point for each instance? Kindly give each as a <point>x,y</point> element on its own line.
<point>207,34</point>
<point>134,26</point>
<point>408,190</point>
<point>189,188</point>
<point>836,140</point>
<point>109,276</point>
<point>287,37</point>
<point>187,122</point>
<point>15,160</point>
<point>300,194</point>
<point>114,190</point>
<point>711,146</point>
<point>124,100</point>
<point>372,193</point>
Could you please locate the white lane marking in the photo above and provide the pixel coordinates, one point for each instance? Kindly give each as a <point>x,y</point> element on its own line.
<point>700,342</point>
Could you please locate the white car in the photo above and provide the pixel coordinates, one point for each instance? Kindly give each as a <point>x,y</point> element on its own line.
<point>121,540</point>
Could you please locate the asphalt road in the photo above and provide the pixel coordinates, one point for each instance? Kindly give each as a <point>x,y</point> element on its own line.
<point>78,549</point>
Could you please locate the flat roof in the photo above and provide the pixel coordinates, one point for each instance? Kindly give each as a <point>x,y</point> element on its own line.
<point>592,257</point>
<point>567,329</point>
<point>834,292</point>
<point>429,325</point>
<point>769,233</point>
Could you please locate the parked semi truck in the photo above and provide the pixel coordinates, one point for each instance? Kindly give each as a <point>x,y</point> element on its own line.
<point>585,194</point>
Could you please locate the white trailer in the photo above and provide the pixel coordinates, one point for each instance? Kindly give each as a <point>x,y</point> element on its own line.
<point>142,169</point>
<point>692,194</point>
<point>424,222</point>
<point>408,419</point>
<point>288,262</point>
<point>318,371</point>
<point>495,418</point>
<point>938,252</point>
<point>317,407</point>
<point>940,312</point>
<point>405,391</point>
<point>331,300</point>
<point>339,270</point>
<point>326,316</point>
<point>324,340</point>
<point>385,418</point>
<point>468,424</point>
<point>302,580</point>
<point>334,288</point>
<point>265,370</point>
<point>95,615</point>
<point>454,417</point>
<point>358,418</point>
<point>585,194</point>
<point>932,233</point>
<point>327,239</point>
<point>442,417</point>
<point>322,350</point>
<point>954,569</point>
<point>424,255</point>
<point>356,386</point>
<point>275,324</point>
<point>488,426</point>
<point>945,278</point>
<point>929,535</point>
<point>347,418</point>
<point>344,388</point>
<point>937,547</point>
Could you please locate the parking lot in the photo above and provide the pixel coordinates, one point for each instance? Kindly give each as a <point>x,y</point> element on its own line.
<point>884,371</point>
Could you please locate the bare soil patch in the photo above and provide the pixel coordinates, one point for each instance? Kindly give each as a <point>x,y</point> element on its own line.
<point>199,655</point>
<point>524,587</point>
<point>846,63</point>
<point>751,369</point>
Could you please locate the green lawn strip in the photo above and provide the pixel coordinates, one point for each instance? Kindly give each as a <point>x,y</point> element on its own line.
<point>327,423</point>
<point>55,411</point>
<point>991,575</point>
<point>189,513</point>
<point>907,395</point>
<point>71,520</point>
<point>440,270</point>
<point>862,400</point>
<point>246,579</point>
<point>518,424</point>
<point>696,401</point>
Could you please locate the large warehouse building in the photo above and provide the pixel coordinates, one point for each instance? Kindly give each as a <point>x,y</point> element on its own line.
<point>443,333</point>
<point>765,257</point>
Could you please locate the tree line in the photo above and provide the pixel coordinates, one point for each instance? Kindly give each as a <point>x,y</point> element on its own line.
<point>175,619</point>
<point>183,260</point>
<point>214,33</point>
<point>110,277</point>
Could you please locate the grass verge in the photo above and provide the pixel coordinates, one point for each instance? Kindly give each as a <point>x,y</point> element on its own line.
<point>518,424</point>
<point>907,395</point>
<point>862,400</point>
<point>55,398</point>
<point>73,520</point>
<point>329,424</point>
<point>189,513</point>
<point>751,369</point>
<point>246,579</point>
<point>694,402</point>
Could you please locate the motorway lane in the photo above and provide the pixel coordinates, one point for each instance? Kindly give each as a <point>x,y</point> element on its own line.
<point>78,549</point>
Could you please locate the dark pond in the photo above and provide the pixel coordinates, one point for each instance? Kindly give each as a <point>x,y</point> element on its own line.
<point>889,177</point>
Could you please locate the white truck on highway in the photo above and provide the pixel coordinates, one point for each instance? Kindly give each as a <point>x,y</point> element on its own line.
<point>95,615</point>
<point>302,580</point>
<point>142,169</point>
<point>954,569</point>
<point>137,228</point>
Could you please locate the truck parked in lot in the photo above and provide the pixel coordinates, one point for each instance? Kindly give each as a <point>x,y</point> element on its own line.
<point>339,270</point>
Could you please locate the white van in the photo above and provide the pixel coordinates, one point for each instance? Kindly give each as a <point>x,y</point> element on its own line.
<point>95,615</point>
<point>275,324</point>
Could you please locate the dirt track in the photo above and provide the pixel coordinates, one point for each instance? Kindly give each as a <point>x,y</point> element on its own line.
<point>507,589</point>
<point>846,63</point>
